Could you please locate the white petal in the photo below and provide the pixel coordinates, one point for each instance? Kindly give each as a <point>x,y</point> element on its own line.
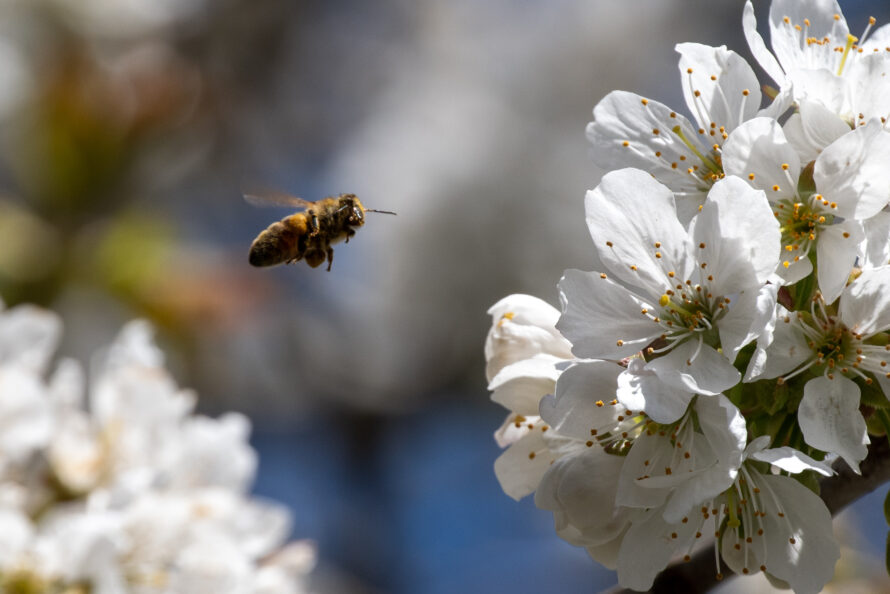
<point>726,433</point>
<point>599,313</point>
<point>830,419</point>
<point>26,419</point>
<point>748,317</point>
<point>645,453</point>
<point>808,563</point>
<point>758,444</point>
<point>606,554</point>
<point>741,237</point>
<point>779,106</point>
<point>710,373</point>
<point>852,172</point>
<point>787,350</point>
<point>796,270</point>
<point>520,468</point>
<point>787,41</point>
<point>639,389</point>
<point>522,327</point>
<point>823,86</point>
<point>520,386</point>
<point>628,214</point>
<point>756,151</point>
<point>573,410</point>
<point>836,253</point>
<point>724,426</point>
<point>813,128</point>
<point>742,557</point>
<point>29,336</point>
<point>719,86</point>
<point>879,38</point>
<point>583,488</point>
<point>876,247</point>
<point>648,547</point>
<point>758,48</point>
<point>791,460</point>
<point>869,81</point>
<point>514,428</point>
<point>865,304</point>
<point>66,385</point>
<point>622,117</point>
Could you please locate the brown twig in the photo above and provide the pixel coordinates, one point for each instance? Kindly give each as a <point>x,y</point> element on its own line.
<point>697,576</point>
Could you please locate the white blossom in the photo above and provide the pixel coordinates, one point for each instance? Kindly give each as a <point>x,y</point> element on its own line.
<point>696,290</point>
<point>135,494</point>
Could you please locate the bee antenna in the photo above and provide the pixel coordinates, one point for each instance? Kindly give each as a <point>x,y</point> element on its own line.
<point>380,211</point>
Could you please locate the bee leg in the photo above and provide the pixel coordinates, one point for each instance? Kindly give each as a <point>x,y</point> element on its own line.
<point>349,233</point>
<point>313,224</point>
<point>330,252</point>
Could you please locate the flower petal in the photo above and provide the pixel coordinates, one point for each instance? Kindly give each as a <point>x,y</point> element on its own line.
<point>29,336</point>
<point>786,350</point>
<point>623,134</point>
<point>522,326</point>
<point>758,152</point>
<point>648,547</point>
<point>601,318</point>
<point>830,419</point>
<point>578,404</point>
<point>869,82</point>
<point>726,433</point>
<point>583,488</point>
<point>628,214</point>
<point>719,86</point>
<point>710,373</point>
<point>520,386</point>
<point>813,128</point>
<point>791,460</point>
<point>749,316</point>
<point>640,389</point>
<point>818,17</point>
<point>852,172</point>
<point>805,557</point>
<point>876,247</point>
<point>758,47</point>
<point>865,304</point>
<point>737,238</point>
<point>520,468</point>
<point>836,253</point>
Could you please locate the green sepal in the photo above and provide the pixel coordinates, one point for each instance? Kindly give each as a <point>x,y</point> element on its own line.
<point>875,425</point>
<point>872,395</point>
<point>802,291</point>
<point>806,183</point>
<point>809,480</point>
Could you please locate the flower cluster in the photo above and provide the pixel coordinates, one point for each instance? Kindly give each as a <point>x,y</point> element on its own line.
<point>134,492</point>
<point>735,342</point>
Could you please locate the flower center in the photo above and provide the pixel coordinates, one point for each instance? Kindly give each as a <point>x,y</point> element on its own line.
<point>831,50</point>
<point>800,223</point>
<point>837,348</point>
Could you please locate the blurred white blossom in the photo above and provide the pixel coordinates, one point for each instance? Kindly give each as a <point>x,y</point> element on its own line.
<point>117,486</point>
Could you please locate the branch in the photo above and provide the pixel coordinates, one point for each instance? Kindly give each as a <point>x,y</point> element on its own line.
<point>698,576</point>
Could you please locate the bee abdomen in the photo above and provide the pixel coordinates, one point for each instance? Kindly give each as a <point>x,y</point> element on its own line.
<point>281,242</point>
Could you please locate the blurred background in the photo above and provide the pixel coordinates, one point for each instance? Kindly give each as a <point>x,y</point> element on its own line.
<point>128,129</point>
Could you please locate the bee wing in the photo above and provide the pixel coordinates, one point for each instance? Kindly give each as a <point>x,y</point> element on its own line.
<point>268,197</point>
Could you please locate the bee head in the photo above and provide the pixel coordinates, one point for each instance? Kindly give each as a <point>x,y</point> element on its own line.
<point>353,206</point>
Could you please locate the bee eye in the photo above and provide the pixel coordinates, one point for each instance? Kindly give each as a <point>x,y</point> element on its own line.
<point>358,213</point>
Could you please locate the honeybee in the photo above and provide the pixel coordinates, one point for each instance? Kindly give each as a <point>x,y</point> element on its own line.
<point>308,234</point>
